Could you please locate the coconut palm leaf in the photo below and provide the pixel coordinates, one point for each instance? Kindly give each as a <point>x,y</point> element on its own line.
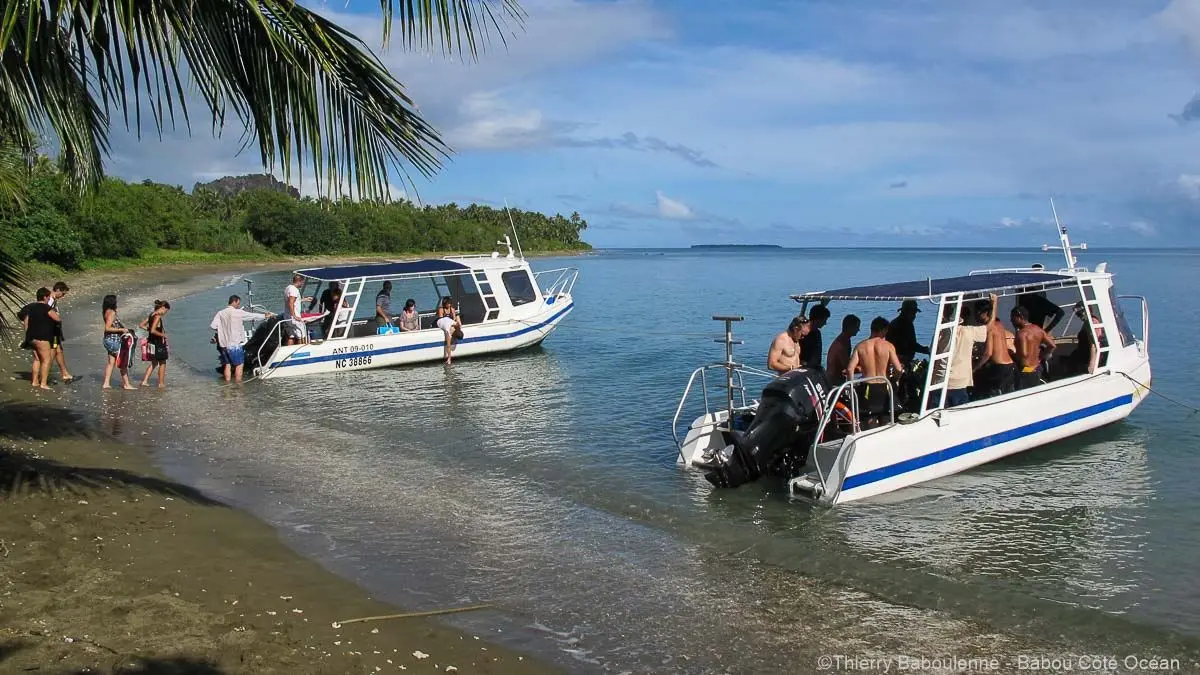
<point>302,85</point>
<point>12,284</point>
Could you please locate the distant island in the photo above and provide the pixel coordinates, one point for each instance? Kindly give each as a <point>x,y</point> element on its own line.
<point>712,246</point>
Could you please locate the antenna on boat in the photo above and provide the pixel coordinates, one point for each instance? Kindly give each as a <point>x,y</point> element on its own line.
<point>514,229</point>
<point>1064,240</point>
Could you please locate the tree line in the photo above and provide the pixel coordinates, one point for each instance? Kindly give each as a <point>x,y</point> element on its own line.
<point>58,225</point>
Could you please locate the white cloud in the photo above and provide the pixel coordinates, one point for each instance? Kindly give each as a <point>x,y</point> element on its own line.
<point>672,209</point>
<point>1189,185</point>
<point>1143,228</point>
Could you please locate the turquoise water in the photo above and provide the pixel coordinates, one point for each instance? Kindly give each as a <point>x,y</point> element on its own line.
<point>546,482</point>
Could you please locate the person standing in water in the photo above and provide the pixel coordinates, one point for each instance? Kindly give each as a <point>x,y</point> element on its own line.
<point>39,319</point>
<point>58,293</point>
<point>448,321</point>
<point>114,333</point>
<point>156,344</point>
<point>231,335</point>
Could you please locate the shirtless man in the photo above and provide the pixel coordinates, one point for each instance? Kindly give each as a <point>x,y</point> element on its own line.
<point>874,355</point>
<point>1029,343</point>
<point>996,373</point>
<point>839,351</point>
<point>784,355</point>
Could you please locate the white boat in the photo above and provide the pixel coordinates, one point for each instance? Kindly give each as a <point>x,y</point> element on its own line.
<point>503,305</point>
<point>812,436</point>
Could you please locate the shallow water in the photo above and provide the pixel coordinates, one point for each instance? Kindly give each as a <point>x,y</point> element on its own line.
<point>545,482</point>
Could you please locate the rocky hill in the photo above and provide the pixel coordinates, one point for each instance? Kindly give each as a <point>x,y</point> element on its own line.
<point>232,185</point>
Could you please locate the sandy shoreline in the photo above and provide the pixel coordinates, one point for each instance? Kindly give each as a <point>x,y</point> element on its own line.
<point>108,566</point>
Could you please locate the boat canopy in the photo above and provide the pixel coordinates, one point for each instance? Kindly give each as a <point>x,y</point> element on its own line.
<point>989,282</point>
<point>390,270</point>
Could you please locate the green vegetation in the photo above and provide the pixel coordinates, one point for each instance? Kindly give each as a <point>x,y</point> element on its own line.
<point>151,223</point>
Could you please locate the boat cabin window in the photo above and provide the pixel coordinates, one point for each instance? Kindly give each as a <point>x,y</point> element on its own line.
<point>520,287</point>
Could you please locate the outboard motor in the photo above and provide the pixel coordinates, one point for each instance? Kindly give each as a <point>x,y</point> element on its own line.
<point>782,431</point>
<point>262,334</point>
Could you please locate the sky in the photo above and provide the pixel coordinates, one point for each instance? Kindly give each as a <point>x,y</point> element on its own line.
<point>801,123</point>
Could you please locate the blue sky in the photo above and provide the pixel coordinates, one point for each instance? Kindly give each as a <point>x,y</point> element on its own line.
<point>668,123</point>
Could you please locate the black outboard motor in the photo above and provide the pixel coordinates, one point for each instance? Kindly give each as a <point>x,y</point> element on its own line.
<point>259,341</point>
<point>782,431</point>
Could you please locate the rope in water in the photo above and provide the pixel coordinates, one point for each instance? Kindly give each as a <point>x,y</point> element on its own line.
<point>1177,402</point>
<point>412,615</point>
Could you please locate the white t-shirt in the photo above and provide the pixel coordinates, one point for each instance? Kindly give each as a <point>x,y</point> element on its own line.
<point>228,324</point>
<point>960,361</point>
<point>291,292</point>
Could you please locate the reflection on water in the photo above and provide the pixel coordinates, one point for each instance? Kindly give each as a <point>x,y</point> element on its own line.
<point>1068,515</point>
<point>544,481</point>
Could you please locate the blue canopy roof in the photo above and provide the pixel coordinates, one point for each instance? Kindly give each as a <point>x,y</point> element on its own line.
<point>391,269</point>
<point>932,288</point>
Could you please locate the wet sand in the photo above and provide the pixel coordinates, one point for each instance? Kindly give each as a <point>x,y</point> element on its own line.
<point>107,566</point>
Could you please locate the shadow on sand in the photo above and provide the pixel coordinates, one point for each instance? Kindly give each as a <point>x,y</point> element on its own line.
<point>25,473</point>
<point>179,665</point>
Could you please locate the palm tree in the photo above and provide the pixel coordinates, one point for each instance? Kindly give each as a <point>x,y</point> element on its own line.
<point>303,86</point>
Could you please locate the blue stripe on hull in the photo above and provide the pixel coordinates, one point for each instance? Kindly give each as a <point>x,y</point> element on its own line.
<point>424,345</point>
<point>946,454</point>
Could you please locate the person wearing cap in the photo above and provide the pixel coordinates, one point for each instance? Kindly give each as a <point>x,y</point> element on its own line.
<point>784,355</point>
<point>903,334</point>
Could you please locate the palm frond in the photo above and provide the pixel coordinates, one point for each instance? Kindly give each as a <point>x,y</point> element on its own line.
<point>303,86</point>
<point>12,287</point>
<point>44,90</point>
<point>454,24</point>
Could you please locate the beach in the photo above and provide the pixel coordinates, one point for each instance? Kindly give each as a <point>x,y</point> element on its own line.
<point>108,566</point>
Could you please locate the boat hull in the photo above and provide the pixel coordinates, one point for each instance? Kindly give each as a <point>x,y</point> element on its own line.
<point>950,441</point>
<point>408,348</point>
<point>954,440</point>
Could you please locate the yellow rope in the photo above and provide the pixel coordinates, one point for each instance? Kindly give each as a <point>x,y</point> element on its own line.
<point>410,615</point>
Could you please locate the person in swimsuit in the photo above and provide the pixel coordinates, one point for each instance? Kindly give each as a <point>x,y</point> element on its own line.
<point>114,331</point>
<point>873,356</point>
<point>58,293</point>
<point>157,341</point>
<point>784,354</point>
<point>839,351</point>
<point>39,319</point>
<point>448,321</point>
<point>1033,345</point>
<point>995,372</point>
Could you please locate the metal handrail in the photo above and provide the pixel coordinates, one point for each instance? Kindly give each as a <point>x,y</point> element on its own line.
<point>277,327</point>
<point>702,371</point>
<point>563,284</point>
<point>831,402</point>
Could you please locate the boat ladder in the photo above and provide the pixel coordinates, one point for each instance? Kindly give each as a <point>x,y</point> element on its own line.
<point>485,292</point>
<point>944,337</point>
<point>343,318</point>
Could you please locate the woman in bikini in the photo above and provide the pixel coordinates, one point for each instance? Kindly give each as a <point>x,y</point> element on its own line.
<point>114,331</point>
<point>157,343</point>
<point>448,321</point>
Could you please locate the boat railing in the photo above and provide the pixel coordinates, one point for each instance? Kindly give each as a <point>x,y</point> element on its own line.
<point>277,328</point>
<point>831,403</point>
<point>739,374</point>
<point>562,284</point>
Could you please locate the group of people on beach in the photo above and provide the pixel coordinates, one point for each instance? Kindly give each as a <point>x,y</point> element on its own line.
<point>42,320</point>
